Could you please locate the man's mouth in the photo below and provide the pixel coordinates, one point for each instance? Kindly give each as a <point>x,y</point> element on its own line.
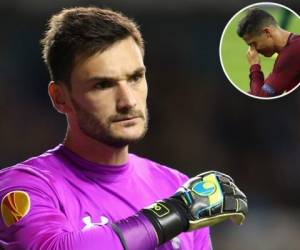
<point>126,118</point>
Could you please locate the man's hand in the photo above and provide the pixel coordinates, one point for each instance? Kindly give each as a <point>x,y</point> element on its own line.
<point>205,200</point>
<point>211,198</point>
<point>252,56</point>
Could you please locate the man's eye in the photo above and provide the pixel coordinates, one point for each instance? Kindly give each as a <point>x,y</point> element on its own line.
<point>103,85</point>
<point>136,78</point>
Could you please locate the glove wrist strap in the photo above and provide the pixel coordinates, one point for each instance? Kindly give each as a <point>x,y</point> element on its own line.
<point>168,218</point>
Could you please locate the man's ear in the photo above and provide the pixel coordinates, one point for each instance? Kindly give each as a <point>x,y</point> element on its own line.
<point>268,31</point>
<point>59,97</point>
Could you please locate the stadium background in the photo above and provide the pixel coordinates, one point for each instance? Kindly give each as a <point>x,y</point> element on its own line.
<point>199,121</point>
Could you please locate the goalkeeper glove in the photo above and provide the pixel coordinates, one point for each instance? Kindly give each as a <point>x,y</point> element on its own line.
<point>205,200</point>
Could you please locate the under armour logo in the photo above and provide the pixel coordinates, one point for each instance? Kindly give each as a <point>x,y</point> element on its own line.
<point>175,243</point>
<point>87,220</point>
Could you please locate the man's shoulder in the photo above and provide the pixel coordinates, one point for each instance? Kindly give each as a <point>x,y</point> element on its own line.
<point>46,160</point>
<point>148,167</point>
<point>41,167</point>
<point>295,38</point>
<point>293,46</point>
<point>288,58</point>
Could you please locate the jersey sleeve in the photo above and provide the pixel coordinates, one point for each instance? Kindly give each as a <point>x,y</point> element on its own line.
<point>285,74</point>
<point>258,87</point>
<point>42,224</point>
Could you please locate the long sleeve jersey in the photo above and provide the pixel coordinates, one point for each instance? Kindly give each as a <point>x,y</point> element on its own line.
<point>285,75</point>
<point>59,200</point>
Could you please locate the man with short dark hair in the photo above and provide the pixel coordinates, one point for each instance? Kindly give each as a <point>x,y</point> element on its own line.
<point>261,32</point>
<point>89,192</point>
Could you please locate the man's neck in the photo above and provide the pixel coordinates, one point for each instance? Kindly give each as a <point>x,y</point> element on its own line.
<point>282,39</point>
<point>95,151</point>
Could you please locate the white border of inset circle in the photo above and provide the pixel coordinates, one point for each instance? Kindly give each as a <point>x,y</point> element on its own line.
<point>220,47</point>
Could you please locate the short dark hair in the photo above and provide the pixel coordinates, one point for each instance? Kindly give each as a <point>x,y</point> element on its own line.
<point>80,32</point>
<point>254,22</point>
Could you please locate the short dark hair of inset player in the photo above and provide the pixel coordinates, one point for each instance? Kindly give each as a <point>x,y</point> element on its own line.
<point>254,22</point>
<point>78,33</point>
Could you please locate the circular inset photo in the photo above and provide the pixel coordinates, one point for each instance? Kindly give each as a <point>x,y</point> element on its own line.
<point>260,50</point>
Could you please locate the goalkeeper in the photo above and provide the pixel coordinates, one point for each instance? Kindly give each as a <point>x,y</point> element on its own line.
<point>89,192</point>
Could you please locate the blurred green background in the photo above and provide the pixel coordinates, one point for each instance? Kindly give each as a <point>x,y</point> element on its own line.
<point>234,49</point>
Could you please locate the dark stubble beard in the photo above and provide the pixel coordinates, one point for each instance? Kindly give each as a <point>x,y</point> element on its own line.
<point>101,131</point>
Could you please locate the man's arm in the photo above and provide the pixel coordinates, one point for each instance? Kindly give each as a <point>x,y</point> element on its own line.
<point>202,201</point>
<point>284,77</point>
<point>43,225</point>
<point>258,87</point>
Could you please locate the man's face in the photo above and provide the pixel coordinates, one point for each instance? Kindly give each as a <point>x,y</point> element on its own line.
<point>109,92</point>
<point>263,43</point>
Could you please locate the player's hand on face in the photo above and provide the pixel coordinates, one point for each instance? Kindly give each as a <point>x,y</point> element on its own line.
<point>252,56</point>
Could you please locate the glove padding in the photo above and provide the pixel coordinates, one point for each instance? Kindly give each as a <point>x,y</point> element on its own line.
<point>205,200</point>
<point>211,198</point>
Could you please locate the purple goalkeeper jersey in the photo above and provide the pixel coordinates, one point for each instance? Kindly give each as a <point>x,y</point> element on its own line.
<point>59,200</point>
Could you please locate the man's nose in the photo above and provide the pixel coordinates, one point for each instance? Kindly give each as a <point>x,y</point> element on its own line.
<point>125,96</point>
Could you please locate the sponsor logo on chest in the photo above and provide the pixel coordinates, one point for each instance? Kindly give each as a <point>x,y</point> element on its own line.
<point>88,223</point>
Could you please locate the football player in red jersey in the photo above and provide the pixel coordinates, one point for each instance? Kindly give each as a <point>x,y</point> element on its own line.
<point>264,36</point>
